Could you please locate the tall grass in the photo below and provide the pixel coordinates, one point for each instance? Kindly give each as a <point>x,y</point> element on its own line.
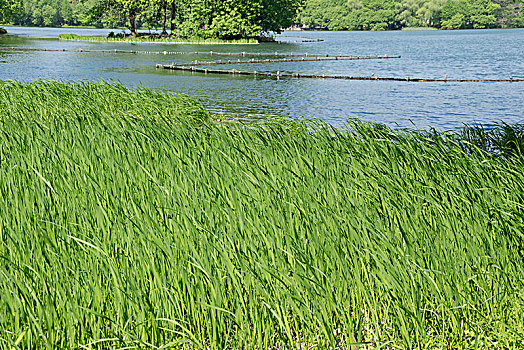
<point>149,39</point>
<point>502,138</point>
<point>133,219</point>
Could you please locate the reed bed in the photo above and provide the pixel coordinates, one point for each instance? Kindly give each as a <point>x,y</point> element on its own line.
<point>151,39</point>
<point>134,219</point>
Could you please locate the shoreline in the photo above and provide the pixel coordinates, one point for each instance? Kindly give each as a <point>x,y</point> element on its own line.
<point>156,42</point>
<point>76,37</point>
<point>288,30</point>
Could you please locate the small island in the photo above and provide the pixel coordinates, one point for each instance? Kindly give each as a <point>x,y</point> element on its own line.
<point>218,23</point>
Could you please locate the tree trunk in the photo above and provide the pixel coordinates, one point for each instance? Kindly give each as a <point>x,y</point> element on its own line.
<point>164,16</point>
<point>173,25</point>
<point>132,20</point>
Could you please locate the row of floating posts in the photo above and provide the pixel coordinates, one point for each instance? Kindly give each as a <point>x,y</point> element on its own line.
<point>211,53</point>
<point>302,59</point>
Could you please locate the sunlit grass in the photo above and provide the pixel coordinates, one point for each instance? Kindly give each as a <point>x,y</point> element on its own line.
<point>418,28</point>
<point>131,218</point>
<point>148,39</point>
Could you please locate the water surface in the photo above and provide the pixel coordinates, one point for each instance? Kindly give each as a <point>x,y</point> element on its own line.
<point>469,54</point>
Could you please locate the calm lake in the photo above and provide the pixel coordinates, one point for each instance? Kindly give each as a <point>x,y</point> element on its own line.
<point>478,54</point>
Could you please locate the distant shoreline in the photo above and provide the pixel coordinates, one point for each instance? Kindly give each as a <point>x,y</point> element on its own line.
<point>405,29</point>
<point>294,29</point>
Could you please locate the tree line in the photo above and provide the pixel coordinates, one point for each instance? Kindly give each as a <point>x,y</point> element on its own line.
<point>229,19</point>
<point>398,14</point>
<point>232,19</point>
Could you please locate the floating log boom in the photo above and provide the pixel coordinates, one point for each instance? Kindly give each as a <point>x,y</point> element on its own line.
<point>303,59</point>
<point>279,75</point>
<point>209,53</point>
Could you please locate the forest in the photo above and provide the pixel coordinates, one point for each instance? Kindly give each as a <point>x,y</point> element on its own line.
<point>191,18</point>
<point>398,14</point>
<point>248,18</point>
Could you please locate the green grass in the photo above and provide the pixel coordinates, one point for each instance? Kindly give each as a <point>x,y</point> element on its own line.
<point>130,218</point>
<point>83,27</point>
<point>502,138</point>
<point>156,40</point>
<point>418,28</point>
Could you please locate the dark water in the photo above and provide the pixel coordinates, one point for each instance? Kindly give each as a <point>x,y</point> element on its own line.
<point>488,54</point>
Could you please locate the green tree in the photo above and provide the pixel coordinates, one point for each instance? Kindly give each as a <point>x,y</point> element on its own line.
<point>102,13</point>
<point>272,15</point>
<point>132,8</point>
<point>511,13</point>
<point>483,14</point>
<point>237,18</point>
<point>455,22</point>
<point>8,8</point>
<point>469,14</point>
<point>395,14</point>
<point>232,20</point>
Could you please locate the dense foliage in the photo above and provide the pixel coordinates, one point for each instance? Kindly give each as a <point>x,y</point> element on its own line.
<point>230,19</point>
<point>132,219</point>
<point>8,8</point>
<point>396,14</point>
<point>234,19</point>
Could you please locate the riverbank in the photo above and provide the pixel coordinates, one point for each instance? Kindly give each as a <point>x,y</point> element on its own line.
<point>134,218</point>
<point>154,39</point>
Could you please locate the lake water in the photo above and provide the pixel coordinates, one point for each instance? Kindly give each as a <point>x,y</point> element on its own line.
<point>478,54</point>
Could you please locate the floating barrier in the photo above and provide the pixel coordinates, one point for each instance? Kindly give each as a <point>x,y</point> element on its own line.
<point>210,53</point>
<point>276,54</point>
<point>303,59</point>
<point>268,54</point>
<point>95,51</point>
<point>323,76</point>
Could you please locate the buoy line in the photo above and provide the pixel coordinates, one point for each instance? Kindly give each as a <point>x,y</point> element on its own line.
<point>210,53</point>
<point>303,59</point>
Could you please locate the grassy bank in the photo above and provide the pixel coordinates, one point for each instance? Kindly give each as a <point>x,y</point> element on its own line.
<point>134,219</point>
<point>152,39</point>
<point>418,28</point>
